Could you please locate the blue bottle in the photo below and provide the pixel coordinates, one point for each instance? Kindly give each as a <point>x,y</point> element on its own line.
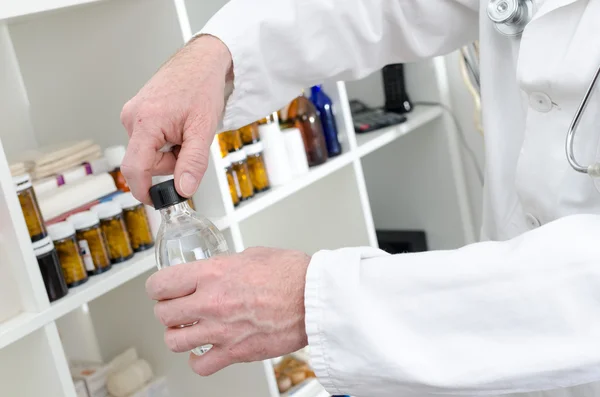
<point>324,106</point>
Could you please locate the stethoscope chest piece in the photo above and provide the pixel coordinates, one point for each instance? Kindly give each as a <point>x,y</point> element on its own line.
<point>510,16</point>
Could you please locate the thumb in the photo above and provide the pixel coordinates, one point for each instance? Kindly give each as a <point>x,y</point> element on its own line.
<point>192,162</point>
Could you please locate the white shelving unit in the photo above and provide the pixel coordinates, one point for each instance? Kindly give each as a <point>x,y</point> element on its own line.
<point>68,66</point>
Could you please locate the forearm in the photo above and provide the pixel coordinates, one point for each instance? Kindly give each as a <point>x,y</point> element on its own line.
<point>487,319</point>
<point>282,46</point>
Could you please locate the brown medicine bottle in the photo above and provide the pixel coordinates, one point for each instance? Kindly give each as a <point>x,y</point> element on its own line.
<point>257,167</point>
<point>234,187</point>
<point>93,246</point>
<point>250,134</point>
<point>305,117</point>
<point>136,221</point>
<point>71,262</point>
<point>29,206</point>
<point>113,227</point>
<point>241,173</point>
<point>49,264</point>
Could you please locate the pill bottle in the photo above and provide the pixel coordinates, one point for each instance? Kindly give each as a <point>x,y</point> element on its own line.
<point>223,146</point>
<point>30,207</point>
<point>49,264</point>
<point>242,173</point>
<point>136,221</point>
<point>71,261</point>
<point>92,243</point>
<point>113,227</point>
<point>275,155</point>
<point>250,134</point>
<point>114,156</point>
<point>294,146</point>
<point>306,119</point>
<point>234,186</point>
<point>257,167</point>
<point>233,139</point>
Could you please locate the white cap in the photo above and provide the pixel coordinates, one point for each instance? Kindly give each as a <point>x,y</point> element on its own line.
<point>74,174</point>
<point>226,162</point>
<point>267,130</point>
<point>114,155</point>
<point>60,231</point>
<point>43,246</point>
<point>107,210</point>
<point>237,156</point>
<point>83,220</point>
<point>100,166</point>
<point>22,182</point>
<point>253,149</point>
<point>45,185</point>
<point>126,200</point>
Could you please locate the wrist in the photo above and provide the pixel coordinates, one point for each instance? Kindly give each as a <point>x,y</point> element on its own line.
<point>209,45</point>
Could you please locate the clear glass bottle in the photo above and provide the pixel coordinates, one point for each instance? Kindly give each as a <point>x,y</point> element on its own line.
<point>184,235</point>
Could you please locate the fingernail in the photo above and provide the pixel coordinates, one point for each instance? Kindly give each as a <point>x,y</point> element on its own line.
<point>188,184</point>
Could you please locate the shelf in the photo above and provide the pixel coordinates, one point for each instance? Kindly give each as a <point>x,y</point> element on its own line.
<point>311,388</point>
<point>371,141</point>
<point>26,323</point>
<point>27,7</point>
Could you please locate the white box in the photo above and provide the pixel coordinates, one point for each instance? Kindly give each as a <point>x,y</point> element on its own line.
<point>80,389</point>
<point>156,388</point>
<point>93,375</point>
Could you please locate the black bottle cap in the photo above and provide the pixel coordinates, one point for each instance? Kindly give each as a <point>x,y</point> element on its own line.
<point>164,195</point>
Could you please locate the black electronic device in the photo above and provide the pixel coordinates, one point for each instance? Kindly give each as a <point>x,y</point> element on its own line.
<point>394,85</point>
<point>367,119</point>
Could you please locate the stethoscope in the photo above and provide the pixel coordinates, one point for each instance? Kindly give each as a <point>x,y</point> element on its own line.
<point>510,18</point>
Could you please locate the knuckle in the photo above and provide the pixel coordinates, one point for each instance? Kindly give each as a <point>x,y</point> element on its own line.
<point>160,314</point>
<point>172,342</point>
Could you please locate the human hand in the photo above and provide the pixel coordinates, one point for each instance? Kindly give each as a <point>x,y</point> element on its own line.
<point>182,105</point>
<point>249,306</point>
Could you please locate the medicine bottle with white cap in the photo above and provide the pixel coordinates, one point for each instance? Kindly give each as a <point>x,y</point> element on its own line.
<point>184,235</point>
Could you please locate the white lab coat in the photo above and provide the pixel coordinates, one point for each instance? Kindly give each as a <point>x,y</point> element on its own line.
<point>518,315</point>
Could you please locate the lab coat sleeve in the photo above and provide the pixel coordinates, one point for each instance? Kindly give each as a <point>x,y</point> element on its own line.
<point>488,319</point>
<point>282,46</point>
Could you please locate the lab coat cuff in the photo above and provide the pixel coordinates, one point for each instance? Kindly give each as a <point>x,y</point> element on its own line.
<point>234,115</point>
<point>314,305</point>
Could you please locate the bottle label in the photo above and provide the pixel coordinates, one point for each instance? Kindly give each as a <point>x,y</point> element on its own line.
<point>86,255</point>
<point>237,184</point>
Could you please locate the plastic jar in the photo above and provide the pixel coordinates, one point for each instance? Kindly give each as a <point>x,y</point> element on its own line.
<point>242,174</point>
<point>257,167</point>
<point>30,207</point>
<point>136,221</point>
<point>113,227</point>
<point>49,264</point>
<point>71,262</point>
<point>234,187</point>
<point>91,241</point>
<point>250,134</point>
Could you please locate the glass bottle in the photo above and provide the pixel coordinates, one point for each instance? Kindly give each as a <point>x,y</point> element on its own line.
<point>233,139</point>
<point>250,134</point>
<point>304,115</point>
<point>223,146</point>
<point>184,235</point>
<point>29,206</point>
<point>113,228</point>
<point>325,110</point>
<point>71,262</point>
<point>114,156</point>
<point>49,264</point>
<point>242,173</point>
<point>92,242</point>
<point>257,167</point>
<point>234,186</point>
<point>136,220</point>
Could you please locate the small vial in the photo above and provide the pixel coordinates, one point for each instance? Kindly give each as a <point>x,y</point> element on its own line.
<point>250,134</point>
<point>223,146</point>
<point>114,155</point>
<point>113,227</point>
<point>71,262</point>
<point>91,240</point>
<point>257,167</point>
<point>30,207</point>
<point>242,173</point>
<point>234,186</point>
<point>136,221</point>
<point>184,235</point>
<point>233,139</point>
<point>49,263</point>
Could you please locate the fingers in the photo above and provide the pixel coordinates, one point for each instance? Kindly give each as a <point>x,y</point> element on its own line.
<point>185,339</point>
<point>192,160</point>
<point>139,162</point>
<point>210,363</point>
<point>172,282</point>
<point>180,311</point>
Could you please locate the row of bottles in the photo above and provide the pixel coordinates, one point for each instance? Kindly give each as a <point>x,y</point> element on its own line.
<point>274,150</point>
<point>88,242</point>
